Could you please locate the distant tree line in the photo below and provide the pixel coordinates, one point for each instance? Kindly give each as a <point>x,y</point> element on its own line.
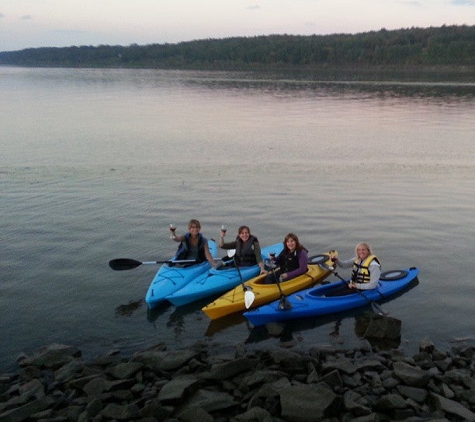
<point>441,46</point>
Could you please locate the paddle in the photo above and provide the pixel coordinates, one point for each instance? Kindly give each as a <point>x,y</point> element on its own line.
<point>284,304</point>
<point>374,306</point>
<point>122,264</point>
<point>249,296</point>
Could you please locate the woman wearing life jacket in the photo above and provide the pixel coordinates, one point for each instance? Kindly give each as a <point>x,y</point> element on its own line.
<point>292,261</point>
<point>193,245</point>
<point>248,250</point>
<point>366,268</point>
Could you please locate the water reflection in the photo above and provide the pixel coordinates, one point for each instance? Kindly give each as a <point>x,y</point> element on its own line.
<point>129,308</point>
<point>296,84</point>
<point>222,324</point>
<point>290,335</point>
<point>154,313</point>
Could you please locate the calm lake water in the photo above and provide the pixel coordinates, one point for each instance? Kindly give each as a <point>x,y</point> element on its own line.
<point>96,164</point>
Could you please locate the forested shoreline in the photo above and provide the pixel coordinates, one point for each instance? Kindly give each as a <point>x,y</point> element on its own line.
<point>448,50</point>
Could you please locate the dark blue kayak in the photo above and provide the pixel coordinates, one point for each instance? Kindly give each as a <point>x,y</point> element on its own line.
<point>324,299</point>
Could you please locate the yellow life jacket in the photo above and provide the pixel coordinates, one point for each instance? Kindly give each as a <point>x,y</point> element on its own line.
<point>361,273</point>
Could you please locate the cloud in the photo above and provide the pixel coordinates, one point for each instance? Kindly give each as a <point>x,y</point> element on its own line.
<point>255,7</point>
<point>463,2</point>
<point>26,17</point>
<point>411,3</point>
<point>1,15</point>
<point>67,31</point>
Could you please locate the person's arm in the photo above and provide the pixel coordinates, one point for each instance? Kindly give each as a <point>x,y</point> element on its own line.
<point>348,263</point>
<point>179,238</point>
<point>208,255</point>
<point>302,269</point>
<point>375,273</point>
<point>258,253</point>
<point>227,245</point>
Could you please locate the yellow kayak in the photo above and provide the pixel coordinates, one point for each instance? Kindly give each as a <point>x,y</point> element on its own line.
<point>233,300</point>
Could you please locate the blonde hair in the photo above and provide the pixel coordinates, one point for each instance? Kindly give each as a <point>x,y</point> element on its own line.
<point>363,245</point>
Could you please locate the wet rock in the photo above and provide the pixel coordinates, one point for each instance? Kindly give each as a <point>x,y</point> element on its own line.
<point>174,391</point>
<point>307,403</point>
<point>453,408</point>
<point>229,369</point>
<point>383,327</point>
<point>327,384</point>
<point>211,401</point>
<point>52,356</point>
<point>411,375</point>
<point>164,360</point>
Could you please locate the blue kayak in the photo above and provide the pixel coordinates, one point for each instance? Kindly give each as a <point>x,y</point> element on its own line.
<point>324,299</point>
<point>172,277</point>
<point>217,281</point>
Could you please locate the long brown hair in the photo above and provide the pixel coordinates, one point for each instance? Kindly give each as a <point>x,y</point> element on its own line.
<point>298,246</point>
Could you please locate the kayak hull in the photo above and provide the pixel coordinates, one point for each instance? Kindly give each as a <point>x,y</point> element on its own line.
<point>216,281</point>
<point>314,302</point>
<point>233,300</point>
<point>170,278</point>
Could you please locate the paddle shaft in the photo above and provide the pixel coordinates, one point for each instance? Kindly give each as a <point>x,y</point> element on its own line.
<point>284,304</point>
<point>122,264</point>
<point>373,304</point>
<point>277,281</point>
<point>239,272</point>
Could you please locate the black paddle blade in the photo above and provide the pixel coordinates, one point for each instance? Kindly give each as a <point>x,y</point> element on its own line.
<point>122,264</point>
<point>377,309</point>
<point>284,304</point>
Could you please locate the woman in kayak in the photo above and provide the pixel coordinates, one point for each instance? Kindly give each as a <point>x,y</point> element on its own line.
<point>193,245</point>
<point>248,250</point>
<point>366,268</point>
<point>292,261</point>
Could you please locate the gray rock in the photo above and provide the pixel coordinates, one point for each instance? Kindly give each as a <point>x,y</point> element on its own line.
<point>164,361</point>
<point>195,415</point>
<point>96,386</point>
<point>262,376</point>
<point>390,402</point>
<point>453,407</point>
<point>256,414</point>
<point>344,365</point>
<point>417,394</point>
<point>383,327</point>
<point>355,404</point>
<point>411,375</point>
<point>125,370</point>
<point>333,379</point>
<point>120,412</point>
<point>33,388</point>
<point>52,356</point>
<point>153,408</point>
<point>230,369</point>
<point>25,411</point>
<point>175,390</point>
<point>329,384</point>
<point>67,371</point>
<point>211,401</point>
<point>306,403</point>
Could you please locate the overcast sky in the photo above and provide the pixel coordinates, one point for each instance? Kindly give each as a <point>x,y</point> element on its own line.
<point>59,23</point>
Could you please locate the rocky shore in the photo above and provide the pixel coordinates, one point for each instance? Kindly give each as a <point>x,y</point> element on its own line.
<point>211,383</point>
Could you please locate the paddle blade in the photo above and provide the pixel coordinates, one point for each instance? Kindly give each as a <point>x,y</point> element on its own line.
<point>377,309</point>
<point>122,264</point>
<point>284,304</point>
<point>248,298</point>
